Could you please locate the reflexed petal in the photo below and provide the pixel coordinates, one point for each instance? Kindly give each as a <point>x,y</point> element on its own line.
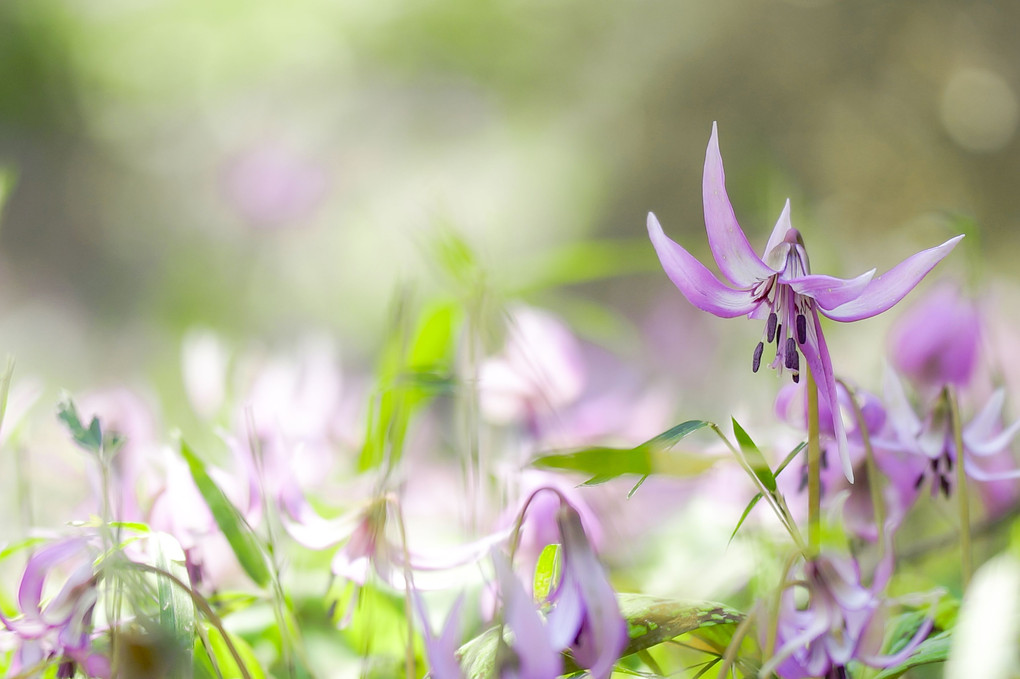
<point>978,474</point>
<point>981,435</point>
<point>536,655</point>
<point>697,283</point>
<point>732,252</point>
<point>442,650</point>
<point>38,567</point>
<point>901,414</point>
<point>892,286</point>
<point>779,232</point>
<point>830,292</point>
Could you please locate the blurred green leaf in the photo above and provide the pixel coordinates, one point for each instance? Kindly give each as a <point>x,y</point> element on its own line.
<point>8,178</point>
<point>239,534</point>
<point>651,457</point>
<point>587,261</point>
<point>90,438</point>
<point>755,459</point>
<point>931,650</point>
<point>547,572</point>
<point>650,621</point>
<point>176,609</point>
<point>754,501</point>
<point>5,379</point>
<point>224,661</point>
<point>414,367</point>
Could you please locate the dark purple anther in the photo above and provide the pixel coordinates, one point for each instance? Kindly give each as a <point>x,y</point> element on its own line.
<point>756,361</point>
<point>770,326</point>
<point>801,328</point>
<point>791,359</point>
<point>779,333</point>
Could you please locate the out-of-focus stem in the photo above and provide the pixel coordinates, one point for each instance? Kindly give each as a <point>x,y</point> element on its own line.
<point>814,450</point>
<point>963,501</point>
<point>874,476</point>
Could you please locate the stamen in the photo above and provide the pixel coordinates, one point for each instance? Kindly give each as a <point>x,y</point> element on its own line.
<point>945,485</point>
<point>792,359</point>
<point>920,480</point>
<point>779,333</point>
<point>756,361</point>
<point>801,328</point>
<point>770,327</point>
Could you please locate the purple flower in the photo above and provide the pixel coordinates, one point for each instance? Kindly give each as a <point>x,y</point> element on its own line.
<point>442,650</point>
<point>585,616</point>
<point>932,440</point>
<point>841,621</point>
<point>892,462</point>
<point>61,629</point>
<point>779,288</point>
<point>936,341</point>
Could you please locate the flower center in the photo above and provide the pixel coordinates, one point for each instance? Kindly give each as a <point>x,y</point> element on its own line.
<point>787,324</point>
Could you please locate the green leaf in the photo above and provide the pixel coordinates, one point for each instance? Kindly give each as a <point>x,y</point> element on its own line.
<point>90,438</point>
<point>931,650</point>
<point>755,459</point>
<point>176,609</point>
<point>547,572</point>
<point>651,457</point>
<point>225,662</point>
<point>8,177</point>
<point>413,368</point>
<point>239,534</point>
<point>5,380</point>
<point>652,620</point>
<point>747,511</point>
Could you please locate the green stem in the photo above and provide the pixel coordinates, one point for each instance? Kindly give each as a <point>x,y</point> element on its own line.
<point>814,465</point>
<point>963,502</point>
<point>874,476</point>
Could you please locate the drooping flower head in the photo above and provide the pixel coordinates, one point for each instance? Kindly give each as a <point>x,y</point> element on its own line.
<point>585,616</point>
<point>836,620</point>
<point>59,630</point>
<point>780,289</point>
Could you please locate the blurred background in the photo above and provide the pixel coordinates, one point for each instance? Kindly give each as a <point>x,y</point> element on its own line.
<point>268,170</point>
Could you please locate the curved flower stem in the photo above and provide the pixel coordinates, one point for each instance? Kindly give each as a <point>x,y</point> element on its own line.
<point>966,558</point>
<point>814,449</point>
<point>874,476</point>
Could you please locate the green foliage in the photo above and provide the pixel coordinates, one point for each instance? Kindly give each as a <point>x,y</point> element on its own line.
<point>650,621</point>
<point>239,534</point>
<point>414,367</point>
<point>89,438</point>
<point>176,609</point>
<point>547,571</point>
<point>755,459</point>
<point>934,649</point>
<point>651,457</point>
<point>214,659</point>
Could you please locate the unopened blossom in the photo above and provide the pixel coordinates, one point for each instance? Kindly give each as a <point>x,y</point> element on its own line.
<point>59,630</point>
<point>841,621</point>
<point>779,289</point>
<point>936,341</point>
<point>585,615</point>
<point>931,438</point>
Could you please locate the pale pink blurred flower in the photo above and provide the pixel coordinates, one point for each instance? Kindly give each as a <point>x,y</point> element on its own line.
<point>272,186</point>
<point>539,371</point>
<point>936,341</point>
